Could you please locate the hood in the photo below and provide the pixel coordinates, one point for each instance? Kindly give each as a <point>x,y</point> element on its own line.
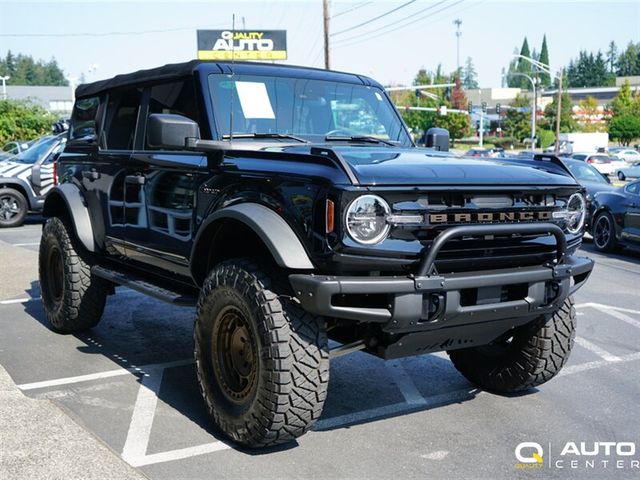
<point>415,166</point>
<point>14,169</point>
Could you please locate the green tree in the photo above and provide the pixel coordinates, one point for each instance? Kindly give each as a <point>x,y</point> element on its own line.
<point>24,70</point>
<point>589,70</point>
<point>612,56</point>
<point>524,66</point>
<point>20,119</point>
<point>624,128</point>
<point>567,122</point>
<point>517,120</point>
<point>589,121</point>
<point>458,124</point>
<point>469,75</point>
<point>545,78</point>
<point>512,80</point>
<point>623,102</point>
<point>629,61</point>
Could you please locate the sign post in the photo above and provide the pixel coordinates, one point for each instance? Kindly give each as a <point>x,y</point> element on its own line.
<point>242,45</point>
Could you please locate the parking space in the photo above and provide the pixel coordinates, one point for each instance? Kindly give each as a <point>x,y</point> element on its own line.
<point>131,382</point>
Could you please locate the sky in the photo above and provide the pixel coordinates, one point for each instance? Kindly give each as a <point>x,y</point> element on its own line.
<point>127,36</point>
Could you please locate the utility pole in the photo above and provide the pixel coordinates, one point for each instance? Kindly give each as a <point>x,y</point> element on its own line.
<point>558,110</point>
<point>481,120</point>
<point>457,22</point>
<point>325,16</point>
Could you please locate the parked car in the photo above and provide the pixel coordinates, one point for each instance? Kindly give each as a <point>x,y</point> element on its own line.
<point>616,217</point>
<point>478,152</point>
<point>631,171</point>
<point>260,193</point>
<point>629,155</point>
<point>601,161</point>
<point>13,148</point>
<point>26,178</point>
<point>591,179</point>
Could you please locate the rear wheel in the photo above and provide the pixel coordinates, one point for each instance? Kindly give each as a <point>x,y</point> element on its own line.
<point>262,361</point>
<point>621,176</point>
<point>522,358</point>
<point>13,208</point>
<point>73,299</point>
<point>604,233</point>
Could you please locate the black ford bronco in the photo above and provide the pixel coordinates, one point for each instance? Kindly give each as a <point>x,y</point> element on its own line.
<point>292,207</point>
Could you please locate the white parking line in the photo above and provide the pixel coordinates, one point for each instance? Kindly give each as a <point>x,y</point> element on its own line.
<point>402,379</point>
<point>614,312</point>
<point>19,300</point>
<point>180,454</point>
<point>602,353</point>
<point>142,370</point>
<point>30,244</point>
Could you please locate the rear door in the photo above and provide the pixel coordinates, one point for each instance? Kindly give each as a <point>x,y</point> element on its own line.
<point>164,181</point>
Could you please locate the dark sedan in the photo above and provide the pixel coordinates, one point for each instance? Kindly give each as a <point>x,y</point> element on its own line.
<point>616,217</point>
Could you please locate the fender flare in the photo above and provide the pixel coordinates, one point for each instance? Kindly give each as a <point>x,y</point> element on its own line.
<point>76,207</point>
<point>273,230</point>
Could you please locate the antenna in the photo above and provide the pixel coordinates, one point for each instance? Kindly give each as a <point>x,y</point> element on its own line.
<point>233,57</point>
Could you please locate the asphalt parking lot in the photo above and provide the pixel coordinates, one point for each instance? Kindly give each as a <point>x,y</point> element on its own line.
<point>131,383</point>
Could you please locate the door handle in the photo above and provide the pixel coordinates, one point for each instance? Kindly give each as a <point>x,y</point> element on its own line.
<point>91,175</point>
<point>136,179</point>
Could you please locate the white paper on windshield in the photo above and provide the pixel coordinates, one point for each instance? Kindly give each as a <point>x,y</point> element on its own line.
<point>254,100</point>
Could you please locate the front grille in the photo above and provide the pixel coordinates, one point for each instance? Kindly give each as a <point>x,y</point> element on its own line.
<point>469,254</point>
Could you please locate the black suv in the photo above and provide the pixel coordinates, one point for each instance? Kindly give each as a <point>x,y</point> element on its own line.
<point>291,206</point>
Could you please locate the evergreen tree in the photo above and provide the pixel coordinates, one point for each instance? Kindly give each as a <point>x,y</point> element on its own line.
<point>623,103</point>
<point>629,61</point>
<point>512,80</point>
<point>24,70</point>
<point>545,78</point>
<point>469,75</point>
<point>612,56</point>
<point>524,66</point>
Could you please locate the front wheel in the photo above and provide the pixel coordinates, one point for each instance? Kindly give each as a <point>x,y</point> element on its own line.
<point>13,208</point>
<point>604,233</point>
<point>262,361</point>
<point>522,358</point>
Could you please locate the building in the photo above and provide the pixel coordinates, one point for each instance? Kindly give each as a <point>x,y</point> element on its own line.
<point>57,100</point>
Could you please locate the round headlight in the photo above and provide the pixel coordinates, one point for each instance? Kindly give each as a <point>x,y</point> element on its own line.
<point>576,213</point>
<point>367,219</point>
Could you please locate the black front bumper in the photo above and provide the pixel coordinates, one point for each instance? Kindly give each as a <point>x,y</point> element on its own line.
<point>429,301</point>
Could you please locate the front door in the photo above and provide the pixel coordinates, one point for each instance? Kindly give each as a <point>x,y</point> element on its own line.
<point>632,212</point>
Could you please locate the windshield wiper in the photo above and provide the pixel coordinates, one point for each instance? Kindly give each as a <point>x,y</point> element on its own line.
<point>357,138</point>
<point>266,135</point>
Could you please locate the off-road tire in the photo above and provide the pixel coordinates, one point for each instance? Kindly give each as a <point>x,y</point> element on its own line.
<point>600,242</point>
<point>291,355</point>
<point>18,200</point>
<point>536,354</point>
<point>73,299</point>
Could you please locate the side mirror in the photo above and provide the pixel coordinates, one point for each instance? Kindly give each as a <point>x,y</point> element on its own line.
<point>170,131</point>
<point>438,139</point>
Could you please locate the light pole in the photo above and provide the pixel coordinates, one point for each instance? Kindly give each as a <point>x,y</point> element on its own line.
<point>533,106</point>
<point>457,22</point>
<point>4,86</point>
<point>547,69</point>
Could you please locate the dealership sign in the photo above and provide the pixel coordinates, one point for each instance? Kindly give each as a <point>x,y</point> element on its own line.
<point>242,44</point>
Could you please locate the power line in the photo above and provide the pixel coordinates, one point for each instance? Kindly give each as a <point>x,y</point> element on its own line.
<point>104,34</point>
<point>380,34</point>
<point>363,4</point>
<point>377,30</point>
<point>375,18</point>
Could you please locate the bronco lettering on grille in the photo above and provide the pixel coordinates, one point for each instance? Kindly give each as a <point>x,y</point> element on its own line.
<point>488,217</point>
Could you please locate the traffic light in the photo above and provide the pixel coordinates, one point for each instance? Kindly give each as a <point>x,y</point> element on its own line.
<point>484,107</point>
<point>498,108</point>
<point>470,108</point>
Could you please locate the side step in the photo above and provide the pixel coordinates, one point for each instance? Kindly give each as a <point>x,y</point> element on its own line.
<point>134,283</point>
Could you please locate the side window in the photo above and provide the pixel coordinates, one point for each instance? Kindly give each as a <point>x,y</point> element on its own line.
<point>122,118</point>
<point>633,188</point>
<point>84,119</point>
<point>175,97</point>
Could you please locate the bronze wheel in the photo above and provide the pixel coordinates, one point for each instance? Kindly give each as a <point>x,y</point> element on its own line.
<point>235,355</point>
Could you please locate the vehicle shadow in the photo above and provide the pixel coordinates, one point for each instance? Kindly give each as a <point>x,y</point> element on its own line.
<point>137,331</point>
<point>627,254</point>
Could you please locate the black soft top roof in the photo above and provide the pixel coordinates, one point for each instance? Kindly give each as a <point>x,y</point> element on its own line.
<point>181,70</point>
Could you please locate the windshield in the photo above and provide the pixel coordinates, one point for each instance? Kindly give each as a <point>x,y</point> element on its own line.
<point>37,151</point>
<point>309,109</point>
<point>585,173</point>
